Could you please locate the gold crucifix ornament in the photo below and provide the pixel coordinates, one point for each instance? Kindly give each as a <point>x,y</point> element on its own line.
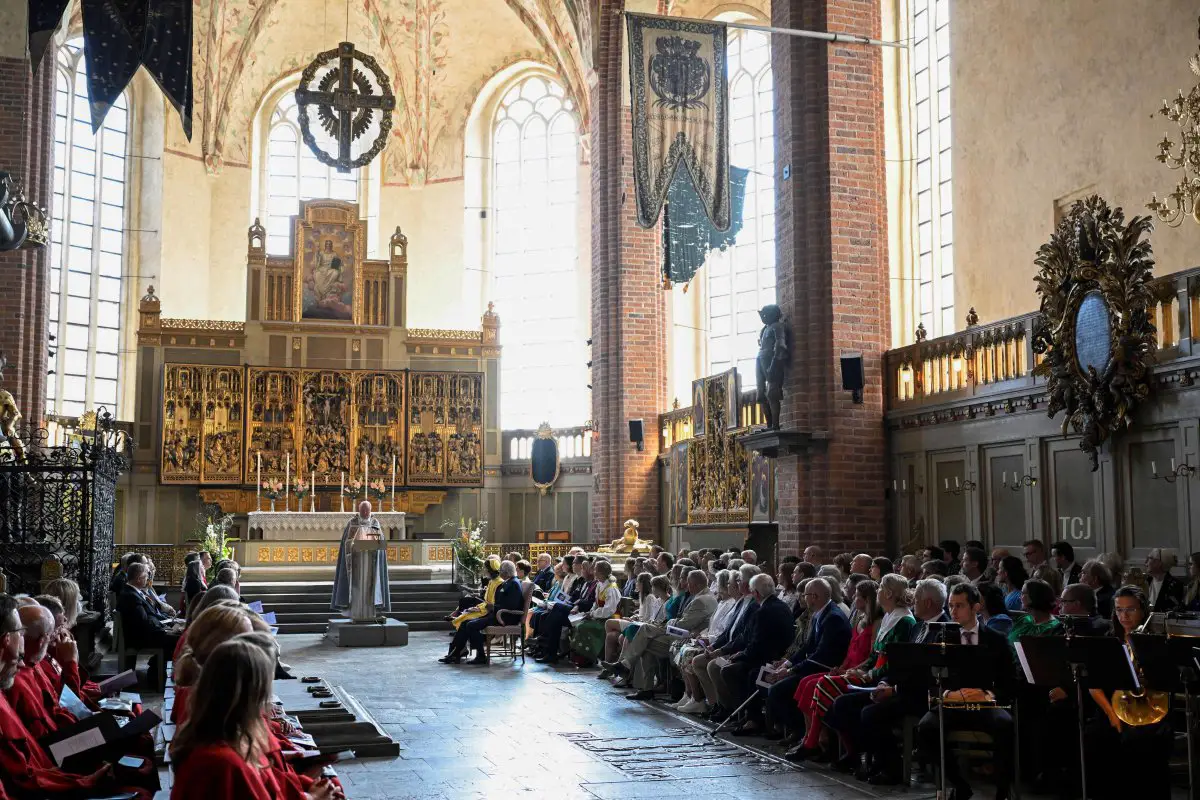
<point>349,102</point>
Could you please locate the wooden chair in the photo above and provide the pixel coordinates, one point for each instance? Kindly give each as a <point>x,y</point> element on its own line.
<point>511,635</point>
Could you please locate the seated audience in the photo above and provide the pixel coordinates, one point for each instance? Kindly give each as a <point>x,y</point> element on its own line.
<point>1079,602</point>
<point>1035,554</point>
<point>651,646</point>
<point>975,688</point>
<point>194,581</point>
<point>765,639</point>
<point>998,555</point>
<point>587,635</point>
<point>580,601</point>
<point>1048,574</point>
<point>933,568</point>
<point>880,566</point>
<point>1164,592</point>
<point>1096,575</point>
<point>1011,576</point>
<point>973,564</point>
<point>215,625</point>
<point>151,593</point>
<point>1116,567</point>
<point>786,588</point>
<point>842,562</point>
<point>703,689</point>
<point>121,574</point>
<point>228,576</point>
<point>813,555</point>
<point>31,695</point>
<point>60,666</point>
<point>750,557</point>
<point>222,749</point>
<point>950,555</point>
<point>544,577</point>
<point>910,568</point>
<point>683,652</point>
<point>630,587</point>
<point>858,657</point>
<point>1063,556</point>
<point>1191,595</point>
<point>1037,600</point>
<point>144,626</point>
<point>825,648</point>
<point>473,606</point>
<point>652,594</point>
<point>508,596</point>
<point>861,564</point>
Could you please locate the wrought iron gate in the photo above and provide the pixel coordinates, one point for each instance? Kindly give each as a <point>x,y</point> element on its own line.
<point>59,503</point>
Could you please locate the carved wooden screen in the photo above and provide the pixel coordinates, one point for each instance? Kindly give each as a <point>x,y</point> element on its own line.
<point>379,424</point>
<point>326,414</point>
<point>445,429</point>
<point>718,467</point>
<point>203,410</point>
<point>273,403</point>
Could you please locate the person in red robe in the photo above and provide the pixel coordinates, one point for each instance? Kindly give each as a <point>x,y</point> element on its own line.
<point>26,771</point>
<point>31,695</point>
<point>222,748</point>
<point>61,664</point>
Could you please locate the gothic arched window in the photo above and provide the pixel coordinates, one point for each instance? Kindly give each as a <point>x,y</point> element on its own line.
<point>534,263</point>
<point>293,174</point>
<point>87,250</point>
<point>742,279</point>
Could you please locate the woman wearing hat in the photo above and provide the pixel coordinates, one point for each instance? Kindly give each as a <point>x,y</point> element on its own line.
<point>473,607</point>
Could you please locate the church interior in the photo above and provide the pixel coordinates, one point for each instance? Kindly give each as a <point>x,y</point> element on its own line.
<point>744,355</point>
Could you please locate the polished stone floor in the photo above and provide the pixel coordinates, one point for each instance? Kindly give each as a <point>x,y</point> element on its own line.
<point>534,731</point>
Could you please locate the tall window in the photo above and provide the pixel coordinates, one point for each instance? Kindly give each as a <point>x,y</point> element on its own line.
<point>535,188</point>
<point>930,62</point>
<point>295,174</point>
<point>87,250</point>
<point>742,279</point>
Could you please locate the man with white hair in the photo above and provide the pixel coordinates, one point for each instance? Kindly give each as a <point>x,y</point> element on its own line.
<point>544,578</point>
<point>362,525</point>
<point>31,695</point>
<point>750,557</point>
<point>813,555</point>
<point>652,643</point>
<point>509,597</point>
<point>1164,591</point>
<point>766,637</point>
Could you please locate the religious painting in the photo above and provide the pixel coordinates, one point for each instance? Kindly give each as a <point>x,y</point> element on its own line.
<point>224,400</point>
<point>379,437</point>
<point>718,467</point>
<point>732,387</point>
<point>760,488</point>
<point>329,264</point>
<point>698,407</point>
<point>182,423</point>
<point>426,421</point>
<point>445,428</point>
<point>464,445</point>
<point>679,474</point>
<point>202,424</point>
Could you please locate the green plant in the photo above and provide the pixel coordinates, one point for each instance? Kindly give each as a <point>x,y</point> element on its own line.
<point>468,543</point>
<point>212,533</point>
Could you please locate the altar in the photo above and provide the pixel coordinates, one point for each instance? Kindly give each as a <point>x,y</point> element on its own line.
<point>316,526</point>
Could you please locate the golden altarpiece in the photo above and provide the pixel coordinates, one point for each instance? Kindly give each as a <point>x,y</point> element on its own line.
<point>322,385</point>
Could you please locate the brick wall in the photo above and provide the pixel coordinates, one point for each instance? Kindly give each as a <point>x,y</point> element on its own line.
<point>27,151</point>
<point>831,250</point>
<point>629,342</point>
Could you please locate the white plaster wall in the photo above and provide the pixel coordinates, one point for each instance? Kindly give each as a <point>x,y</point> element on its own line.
<point>184,267</point>
<point>1049,98</point>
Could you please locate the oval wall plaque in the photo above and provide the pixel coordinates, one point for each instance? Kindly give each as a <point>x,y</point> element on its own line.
<point>1093,337</point>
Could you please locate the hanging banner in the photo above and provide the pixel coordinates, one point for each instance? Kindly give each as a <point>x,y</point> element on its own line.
<point>680,112</point>
<point>121,35</point>
<point>688,236</point>
<point>45,18</point>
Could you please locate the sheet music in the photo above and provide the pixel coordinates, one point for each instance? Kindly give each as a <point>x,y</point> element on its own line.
<point>574,619</point>
<point>130,697</point>
<point>671,629</point>
<point>118,682</point>
<point>1024,662</point>
<point>71,702</point>
<point>61,751</point>
<point>269,618</point>
<point>256,606</point>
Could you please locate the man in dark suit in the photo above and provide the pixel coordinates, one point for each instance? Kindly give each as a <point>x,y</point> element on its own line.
<point>825,648</point>
<point>1064,561</point>
<point>996,684</point>
<point>767,635</point>
<point>1164,590</point>
<point>545,574</point>
<point>866,719</point>
<point>143,624</point>
<point>509,597</point>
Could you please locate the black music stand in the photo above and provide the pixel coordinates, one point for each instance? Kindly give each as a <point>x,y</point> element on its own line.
<point>940,660</point>
<point>1099,661</point>
<point>1172,664</point>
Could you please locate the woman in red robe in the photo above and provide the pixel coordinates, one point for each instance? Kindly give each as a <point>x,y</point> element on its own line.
<point>221,751</point>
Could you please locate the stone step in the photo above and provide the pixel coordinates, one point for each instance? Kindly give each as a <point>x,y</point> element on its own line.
<point>314,587</point>
<point>319,627</point>
<point>282,619</point>
<point>277,600</point>
<point>403,606</point>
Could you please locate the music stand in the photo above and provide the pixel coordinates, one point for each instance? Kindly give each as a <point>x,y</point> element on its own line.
<point>940,659</point>
<point>1171,664</point>
<point>1054,661</point>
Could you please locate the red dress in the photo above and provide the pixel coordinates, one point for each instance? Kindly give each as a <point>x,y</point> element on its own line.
<point>216,771</point>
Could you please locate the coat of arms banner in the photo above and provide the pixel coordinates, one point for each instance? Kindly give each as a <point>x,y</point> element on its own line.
<point>680,112</point>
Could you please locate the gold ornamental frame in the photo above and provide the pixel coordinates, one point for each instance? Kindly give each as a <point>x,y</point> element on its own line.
<point>339,213</point>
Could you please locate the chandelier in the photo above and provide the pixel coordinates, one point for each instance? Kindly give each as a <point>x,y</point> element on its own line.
<point>1184,155</point>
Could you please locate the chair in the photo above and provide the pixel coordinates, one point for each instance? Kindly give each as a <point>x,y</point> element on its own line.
<point>512,633</point>
<point>123,651</point>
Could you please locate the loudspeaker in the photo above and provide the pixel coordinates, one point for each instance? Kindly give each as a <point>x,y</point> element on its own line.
<point>852,375</point>
<point>637,433</point>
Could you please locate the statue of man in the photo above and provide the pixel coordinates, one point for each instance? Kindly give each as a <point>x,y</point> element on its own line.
<point>361,526</point>
<point>771,362</point>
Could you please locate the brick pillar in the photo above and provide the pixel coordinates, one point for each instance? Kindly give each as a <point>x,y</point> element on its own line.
<point>832,271</point>
<point>26,151</point>
<point>629,359</point>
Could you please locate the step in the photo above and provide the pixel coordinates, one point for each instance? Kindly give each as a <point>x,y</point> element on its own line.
<point>277,600</point>
<point>311,606</point>
<point>282,619</point>
<point>305,587</point>
<point>319,627</point>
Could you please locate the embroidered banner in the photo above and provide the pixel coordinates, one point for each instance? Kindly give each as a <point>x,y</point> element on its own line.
<point>688,236</point>
<point>680,112</point>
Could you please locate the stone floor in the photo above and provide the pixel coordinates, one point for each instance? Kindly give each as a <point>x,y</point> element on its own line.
<point>536,731</point>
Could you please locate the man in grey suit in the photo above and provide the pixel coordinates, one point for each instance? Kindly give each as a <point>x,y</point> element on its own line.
<point>651,646</point>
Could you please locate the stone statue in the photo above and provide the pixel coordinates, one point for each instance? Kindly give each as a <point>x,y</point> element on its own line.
<point>10,415</point>
<point>630,542</point>
<point>771,363</point>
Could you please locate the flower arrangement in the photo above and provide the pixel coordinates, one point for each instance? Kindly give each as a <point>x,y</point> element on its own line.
<point>469,544</point>
<point>212,530</point>
<point>353,488</point>
<point>377,489</point>
<point>272,488</point>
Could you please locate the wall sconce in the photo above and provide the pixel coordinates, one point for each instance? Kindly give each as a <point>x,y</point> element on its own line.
<point>901,489</point>
<point>1018,482</point>
<point>959,487</point>
<point>1184,470</point>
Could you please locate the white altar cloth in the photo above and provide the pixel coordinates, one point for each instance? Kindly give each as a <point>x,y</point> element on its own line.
<point>319,525</point>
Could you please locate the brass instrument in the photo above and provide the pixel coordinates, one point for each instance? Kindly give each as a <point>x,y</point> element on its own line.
<point>1139,707</point>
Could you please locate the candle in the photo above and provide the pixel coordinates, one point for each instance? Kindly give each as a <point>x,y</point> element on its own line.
<point>1172,465</point>
<point>258,483</point>
<point>893,486</point>
<point>904,486</point>
<point>1004,479</point>
<point>947,482</point>
<point>312,491</point>
<point>366,473</point>
<point>1153,469</point>
<point>341,491</point>
<point>393,481</point>
<point>956,483</point>
<point>287,481</point>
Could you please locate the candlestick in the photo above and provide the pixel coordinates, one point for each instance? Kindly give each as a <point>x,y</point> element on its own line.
<point>287,482</point>
<point>258,484</point>
<point>393,482</point>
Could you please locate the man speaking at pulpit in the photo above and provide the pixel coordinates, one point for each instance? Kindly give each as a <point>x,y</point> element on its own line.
<point>361,526</point>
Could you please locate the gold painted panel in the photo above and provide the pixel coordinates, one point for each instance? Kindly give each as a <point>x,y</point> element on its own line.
<point>222,443</point>
<point>445,428</point>
<point>273,403</point>
<point>182,423</point>
<point>326,414</point>
<point>464,449</point>
<point>441,552</point>
<point>293,555</point>
<point>379,424</point>
<point>718,468</point>
<point>322,554</point>
<point>264,554</point>
<point>306,555</point>
<point>277,554</point>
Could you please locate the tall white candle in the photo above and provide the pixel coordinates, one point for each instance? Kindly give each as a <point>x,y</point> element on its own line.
<point>341,491</point>
<point>258,483</point>
<point>287,481</point>
<point>366,473</point>
<point>312,491</point>
<point>393,482</point>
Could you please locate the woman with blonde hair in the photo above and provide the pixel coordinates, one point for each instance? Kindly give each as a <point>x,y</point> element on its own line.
<point>221,751</point>
<point>216,625</point>
<point>67,592</point>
